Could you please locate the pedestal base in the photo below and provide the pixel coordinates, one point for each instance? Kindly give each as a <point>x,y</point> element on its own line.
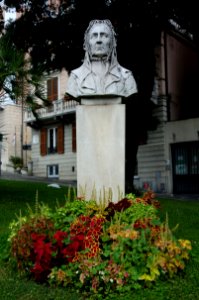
<point>101,151</point>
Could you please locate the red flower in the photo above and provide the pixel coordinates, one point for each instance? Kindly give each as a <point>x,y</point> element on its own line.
<point>43,250</point>
<point>59,236</point>
<point>37,269</point>
<point>36,236</point>
<point>80,237</point>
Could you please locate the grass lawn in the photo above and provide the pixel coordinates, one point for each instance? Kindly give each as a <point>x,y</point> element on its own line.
<point>14,196</point>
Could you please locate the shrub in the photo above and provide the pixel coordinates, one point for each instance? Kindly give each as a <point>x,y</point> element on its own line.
<point>122,247</point>
<point>16,161</point>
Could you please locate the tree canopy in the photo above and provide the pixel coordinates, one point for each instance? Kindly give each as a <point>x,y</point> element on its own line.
<point>52,32</point>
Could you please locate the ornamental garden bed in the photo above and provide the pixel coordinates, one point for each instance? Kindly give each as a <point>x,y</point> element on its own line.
<point>99,249</point>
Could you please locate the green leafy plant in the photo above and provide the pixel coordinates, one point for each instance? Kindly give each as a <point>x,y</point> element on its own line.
<point>122,247</point>
<point>16,161</point>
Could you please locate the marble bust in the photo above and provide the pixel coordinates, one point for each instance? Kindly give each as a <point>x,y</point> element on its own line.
<point>100,74</point>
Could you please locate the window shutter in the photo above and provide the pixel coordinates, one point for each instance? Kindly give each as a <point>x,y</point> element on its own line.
<point>74,146</point>
<point>52,89</point>
<point>60,139</point>
<point>43,141</point>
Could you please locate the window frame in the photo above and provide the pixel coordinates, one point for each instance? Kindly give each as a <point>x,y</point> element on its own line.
<point>55,171</point>
<point>52,140</point>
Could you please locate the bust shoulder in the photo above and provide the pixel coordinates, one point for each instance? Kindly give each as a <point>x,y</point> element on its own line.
<point>80,72</point>
<point>125,72</point>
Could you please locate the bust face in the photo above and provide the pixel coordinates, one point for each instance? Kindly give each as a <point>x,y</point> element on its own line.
<point>100,41</point>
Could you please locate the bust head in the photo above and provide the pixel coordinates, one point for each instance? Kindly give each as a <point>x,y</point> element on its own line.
<point>100,74</point>
<point>99,40</point>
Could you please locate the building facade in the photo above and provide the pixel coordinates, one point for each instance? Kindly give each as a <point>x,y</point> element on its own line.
<point>54,133</point>
<point>169,161</point>
<point>16,136</point>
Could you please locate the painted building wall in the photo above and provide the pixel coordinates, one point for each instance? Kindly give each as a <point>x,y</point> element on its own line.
<point>176,85</point>
<point>62,80</point>
<point>67,161</point>
<point>10,122</point>
<point>183,74</point>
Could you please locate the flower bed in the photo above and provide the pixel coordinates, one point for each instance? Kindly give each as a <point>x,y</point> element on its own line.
<point>98,247</point>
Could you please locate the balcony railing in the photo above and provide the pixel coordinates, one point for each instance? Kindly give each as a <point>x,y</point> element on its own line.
<point>58,108</point>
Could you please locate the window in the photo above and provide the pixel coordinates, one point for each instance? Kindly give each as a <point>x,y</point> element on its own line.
<point>74,145</point>
<point>185,162</point>
<point>52,89</point>
<point>53,171</point>
<point>52,140</point>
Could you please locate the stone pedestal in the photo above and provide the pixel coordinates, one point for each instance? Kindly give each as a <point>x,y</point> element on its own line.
<point>101,148</point>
